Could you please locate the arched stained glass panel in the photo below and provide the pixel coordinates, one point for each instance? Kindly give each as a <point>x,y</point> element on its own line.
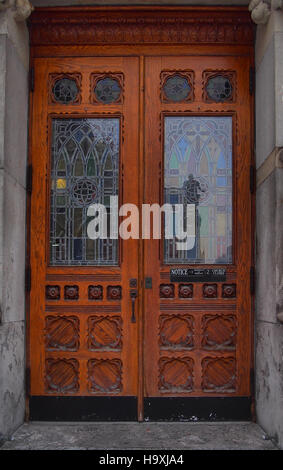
<point>85,170</point>
<point>198,173</point>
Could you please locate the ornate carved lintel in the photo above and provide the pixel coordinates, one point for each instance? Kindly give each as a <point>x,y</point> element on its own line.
<point>140,25</point>
<point>21,8</point>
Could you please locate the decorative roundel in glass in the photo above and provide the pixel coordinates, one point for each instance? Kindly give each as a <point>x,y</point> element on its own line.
<point>176,88</point>
<point>84,192</point>
<point>219,88</point>
<point>65,90</point>
<point>107,90</point>
<point>196,189</point>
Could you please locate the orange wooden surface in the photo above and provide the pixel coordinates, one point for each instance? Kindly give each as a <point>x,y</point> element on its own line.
<point>138,365</point>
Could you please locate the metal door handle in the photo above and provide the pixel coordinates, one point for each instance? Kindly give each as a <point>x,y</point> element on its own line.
<point>133,295</point>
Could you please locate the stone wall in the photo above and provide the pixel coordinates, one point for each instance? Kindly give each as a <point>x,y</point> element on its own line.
<point>269,226</point>
<point>14,54</point>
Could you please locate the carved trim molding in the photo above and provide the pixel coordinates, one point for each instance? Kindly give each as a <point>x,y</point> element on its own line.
<point>21,8</point>
<point>261,9</point>
<point>140,25</point>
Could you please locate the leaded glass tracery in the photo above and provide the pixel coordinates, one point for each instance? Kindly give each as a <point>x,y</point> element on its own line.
<point>219,88</point>
<point>176,88</point>
<point>107,90</point>
<point>85,170</point>
<point>198,170</point>
<point>65,90</point>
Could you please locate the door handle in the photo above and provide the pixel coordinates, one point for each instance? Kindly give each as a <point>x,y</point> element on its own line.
<point>133,296</point>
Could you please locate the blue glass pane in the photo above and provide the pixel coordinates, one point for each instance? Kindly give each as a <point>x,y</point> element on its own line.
<point>198,171</point>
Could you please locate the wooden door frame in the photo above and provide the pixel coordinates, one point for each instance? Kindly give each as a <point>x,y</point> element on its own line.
<point>136,31</point>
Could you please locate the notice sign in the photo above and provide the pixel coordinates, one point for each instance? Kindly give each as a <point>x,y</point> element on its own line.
<point>197,275</point>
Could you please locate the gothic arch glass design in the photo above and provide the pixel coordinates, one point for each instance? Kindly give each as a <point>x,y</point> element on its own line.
<point>198,171</point>
<point>84,170</point>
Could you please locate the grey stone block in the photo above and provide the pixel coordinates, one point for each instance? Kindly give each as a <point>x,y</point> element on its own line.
<point>269,379</point>
<point>265,250</point>
<point>278,42</point>
<point>12,386</point>
<point>265,106</point>
<point>2,96</point>
<point>16,115</point>
<point>14,250</point>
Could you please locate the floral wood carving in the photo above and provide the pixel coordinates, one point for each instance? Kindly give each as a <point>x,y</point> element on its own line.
<point>105,332</point>
<point>210,291</point>
<point>114,292</point>
<point>105,375</point>
<point>141,26</point>
<point>166,291</point>
<point>52,292</point>
<point>185,291</point>
<point>176,374</point>
<point>219,374</point>
<point>61,375</point>
<point>229,291</point>
<point>71,292</point>
<point>95,292</point>
<point>219,332</point>
<point>62,333</point>
<point>176,332</point>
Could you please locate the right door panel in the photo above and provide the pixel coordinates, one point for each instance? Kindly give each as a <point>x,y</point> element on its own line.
<point>198,152</point>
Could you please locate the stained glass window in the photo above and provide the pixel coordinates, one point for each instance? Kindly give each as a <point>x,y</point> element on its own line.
<point>107,90</point>
<point>176,88</point>
<point>219,88</point>
<point>65,90</point>
<point>198,171</point>
<point>85,170</point>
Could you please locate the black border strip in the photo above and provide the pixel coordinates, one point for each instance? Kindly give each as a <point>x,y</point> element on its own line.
<point>55,408</point>
<point>197,409</point>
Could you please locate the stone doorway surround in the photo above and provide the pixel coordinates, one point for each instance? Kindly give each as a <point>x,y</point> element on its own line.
<point>14,80</point>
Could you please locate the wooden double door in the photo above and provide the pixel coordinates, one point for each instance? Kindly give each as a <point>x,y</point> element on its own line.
<point>126,327</point>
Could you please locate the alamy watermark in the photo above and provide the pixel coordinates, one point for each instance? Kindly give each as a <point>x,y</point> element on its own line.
<point>179,222</point>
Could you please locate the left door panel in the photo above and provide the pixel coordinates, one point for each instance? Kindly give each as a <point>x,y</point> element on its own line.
<point>84,151</point>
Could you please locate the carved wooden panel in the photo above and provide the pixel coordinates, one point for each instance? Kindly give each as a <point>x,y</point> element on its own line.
<point>159,26</point>
<point>61,375</point>
<point>210,291</point>
<point>188,79</point>
<point>219,332</point>
<point>114,292</point>
<point>230,75</point>
<point>167,291</point>
<point>105,332</point>
<point>105,375</point>
<point>219,374</point>
<point>229,291</point>
<point>95,292</point>
<point>114,77</point>
<point>62,333</point>
<point>176,332</point>
<point>54,80</point>
<point>176,374</point>
<point>186,291</point>
<point>52,292</point>
<point>71,292</point>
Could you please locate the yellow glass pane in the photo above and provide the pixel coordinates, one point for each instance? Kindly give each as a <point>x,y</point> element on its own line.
<point>61,183</point>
